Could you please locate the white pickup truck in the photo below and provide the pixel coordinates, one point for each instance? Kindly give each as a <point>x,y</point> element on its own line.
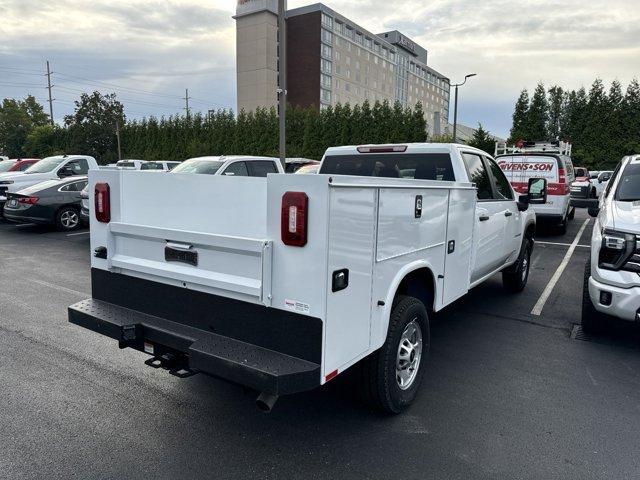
<point>282,283</point>
<point>50,168</point>
<point>612,274</point>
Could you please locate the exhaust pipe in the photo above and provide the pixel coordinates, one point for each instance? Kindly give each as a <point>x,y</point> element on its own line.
<point>266,401</point>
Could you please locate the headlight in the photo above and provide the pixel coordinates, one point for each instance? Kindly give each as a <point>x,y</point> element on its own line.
<point>617,248</point>
<point>6,182</point>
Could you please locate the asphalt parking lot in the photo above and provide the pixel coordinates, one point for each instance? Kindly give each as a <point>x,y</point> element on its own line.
<point>508,394</point>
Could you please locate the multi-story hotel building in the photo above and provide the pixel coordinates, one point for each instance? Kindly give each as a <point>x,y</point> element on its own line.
<point>331,60</point>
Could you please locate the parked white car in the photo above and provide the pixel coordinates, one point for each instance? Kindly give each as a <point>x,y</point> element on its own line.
<point>284,282</point>
<point>130,164</point>
<point>612,273</point>
<point>50,168</point>
<point>239,166</point>
<point>599,182</point>
<point>158,166</point>
<point>2,158</point>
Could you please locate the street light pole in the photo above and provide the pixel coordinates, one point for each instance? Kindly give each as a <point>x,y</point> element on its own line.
<point>455,107</point>
<point>282,79</point>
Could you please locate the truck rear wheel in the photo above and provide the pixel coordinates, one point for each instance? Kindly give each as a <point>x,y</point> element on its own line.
<point>592,320</point>
<point>391,377</point>
<point>514,278</point>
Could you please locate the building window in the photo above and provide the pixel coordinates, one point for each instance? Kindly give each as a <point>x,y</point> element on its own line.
<point>347,59</point>
<point>327,21</point>
<point>338,27</point>
<point>359,38</point>
<point>325,80</point>
<point>348,73</point>
<point>348,32</point>
<point>347,87</point>
<point>375,59</point>
<point>325,66</point>
<point>325,95</point>
<point>337,84</point>
<point>337,54</point>
<point>357,76</point>
<point>326,51</point>
<point>327,36</point>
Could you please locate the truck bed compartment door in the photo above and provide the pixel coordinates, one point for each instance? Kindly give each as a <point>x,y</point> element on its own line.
<point>351,245</point>
<point>460,226</point>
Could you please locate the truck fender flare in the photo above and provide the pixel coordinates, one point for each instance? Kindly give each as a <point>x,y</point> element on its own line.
<point>393,290</point>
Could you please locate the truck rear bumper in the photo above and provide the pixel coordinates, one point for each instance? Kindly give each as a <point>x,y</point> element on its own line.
<point>217,355</point>
<point>271,350</point>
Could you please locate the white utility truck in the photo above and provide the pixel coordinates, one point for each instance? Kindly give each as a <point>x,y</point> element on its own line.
<point>612,274</point>
<point>282,283</point>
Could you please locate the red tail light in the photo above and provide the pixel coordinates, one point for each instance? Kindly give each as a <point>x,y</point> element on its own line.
<point>562,176</point>
<point>28,200</point>
<point>102,200</point>
<point>293,222</point>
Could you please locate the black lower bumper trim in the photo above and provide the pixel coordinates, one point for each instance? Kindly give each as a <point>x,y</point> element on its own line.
<point>207,352</point>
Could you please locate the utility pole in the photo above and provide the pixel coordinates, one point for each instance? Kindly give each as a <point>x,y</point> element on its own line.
<point>49,86</point>
<point>118,138</point>
<point>186,100</point>
<point>455,107</point>
<point>282,79</point>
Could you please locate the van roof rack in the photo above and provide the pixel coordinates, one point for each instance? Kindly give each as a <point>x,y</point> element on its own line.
<point>521,146</point>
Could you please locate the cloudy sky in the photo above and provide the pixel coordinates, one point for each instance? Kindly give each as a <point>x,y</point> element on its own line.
<point>149,51</point>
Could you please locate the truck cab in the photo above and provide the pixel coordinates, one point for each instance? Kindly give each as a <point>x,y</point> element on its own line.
<point>280,283</point>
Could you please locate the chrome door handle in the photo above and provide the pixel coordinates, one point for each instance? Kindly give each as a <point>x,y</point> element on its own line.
<point>484,218</point>
<point>508,213</point>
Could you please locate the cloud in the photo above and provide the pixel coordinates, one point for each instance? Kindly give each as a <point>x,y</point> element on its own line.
<point>149,51</point>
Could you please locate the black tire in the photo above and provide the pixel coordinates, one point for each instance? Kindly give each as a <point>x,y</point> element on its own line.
<point>562,227</point>
<point>572,213</point>
<point>593,321</point>
<point>515,278</point>
<point>379,383</point>
<point>67,219</point>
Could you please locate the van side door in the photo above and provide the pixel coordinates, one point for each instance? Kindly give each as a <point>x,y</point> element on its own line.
<point>490,220</point>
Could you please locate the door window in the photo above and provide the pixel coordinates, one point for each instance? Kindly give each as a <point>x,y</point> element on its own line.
<point>478,175</point>
<point>262,168</point>
<point>74,187</point>
<point>237,169</point>
<point>500,182</point>
<point>78,167</point>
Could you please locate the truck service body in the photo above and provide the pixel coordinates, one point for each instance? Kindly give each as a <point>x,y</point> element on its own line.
<point>281,283</point>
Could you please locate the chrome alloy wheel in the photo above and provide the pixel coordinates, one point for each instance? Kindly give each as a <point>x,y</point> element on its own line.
<point>409,354</point>
<point>69,219</point>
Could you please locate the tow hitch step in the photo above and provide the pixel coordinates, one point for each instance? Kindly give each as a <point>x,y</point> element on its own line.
<point>177,365</point>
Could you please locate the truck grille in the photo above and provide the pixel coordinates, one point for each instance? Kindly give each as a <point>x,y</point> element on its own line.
<point>633,264</point>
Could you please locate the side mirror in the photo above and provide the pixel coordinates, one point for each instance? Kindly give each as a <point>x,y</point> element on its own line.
<point>523,203</point>
<point>65,172</point>
<point>537,191</point>
<point>593,207</point>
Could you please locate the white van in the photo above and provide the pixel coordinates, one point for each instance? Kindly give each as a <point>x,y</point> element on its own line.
<point>557,169</point>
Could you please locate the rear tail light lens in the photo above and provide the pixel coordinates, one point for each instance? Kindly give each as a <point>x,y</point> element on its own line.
<point>562,178</point>
<point>294,219</point>
<point>28,200</point>
<point>102,200</point>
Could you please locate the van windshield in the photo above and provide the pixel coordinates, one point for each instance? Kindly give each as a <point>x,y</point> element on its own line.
<point>420,166</point>
<point>520,168</point>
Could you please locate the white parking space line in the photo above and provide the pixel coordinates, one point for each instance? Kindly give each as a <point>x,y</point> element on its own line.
<point>561,244</point>
<point>537,309</point>
<point>78,233</point>
<point>59,287</point>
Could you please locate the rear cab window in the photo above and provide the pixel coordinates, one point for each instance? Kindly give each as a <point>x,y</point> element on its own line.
<point>260,168</point>
<point>419,166</point>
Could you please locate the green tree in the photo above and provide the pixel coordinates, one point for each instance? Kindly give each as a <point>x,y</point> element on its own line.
<point>520,113</point>
<point>483,140</point>
<point>555,102</point>
<point>92,127</point>
<point>18,118</point>
<point>537,115</point>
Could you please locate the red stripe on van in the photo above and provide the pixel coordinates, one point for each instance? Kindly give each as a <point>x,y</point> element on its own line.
<point>552,188</point>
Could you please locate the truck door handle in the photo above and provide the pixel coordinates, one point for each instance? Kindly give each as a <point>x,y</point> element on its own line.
<point>508,213</point>
<point>483,218</point>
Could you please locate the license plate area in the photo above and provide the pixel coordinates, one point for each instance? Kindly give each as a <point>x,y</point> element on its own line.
<point>181,255</point>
